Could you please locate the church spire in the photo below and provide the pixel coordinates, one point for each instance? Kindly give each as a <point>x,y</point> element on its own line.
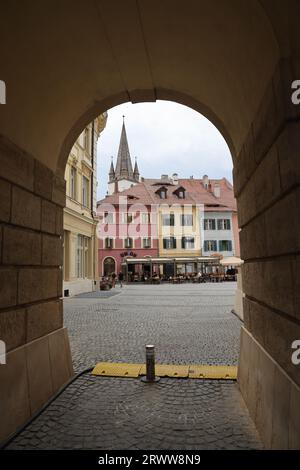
<point>124,165</point>
<point>136,173</point>
<point>111,171</point>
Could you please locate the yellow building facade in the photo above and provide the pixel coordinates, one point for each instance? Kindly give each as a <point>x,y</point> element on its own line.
<point>179,231</point>
<point>80,241</point>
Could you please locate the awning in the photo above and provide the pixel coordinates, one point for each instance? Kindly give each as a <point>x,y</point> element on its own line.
<point>162,260</point>
<point>231,261</point>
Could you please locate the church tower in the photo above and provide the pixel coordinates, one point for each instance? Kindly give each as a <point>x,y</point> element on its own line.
<point>123,176</point>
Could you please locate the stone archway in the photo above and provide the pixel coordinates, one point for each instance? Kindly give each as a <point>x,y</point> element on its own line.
<point>235,63</point>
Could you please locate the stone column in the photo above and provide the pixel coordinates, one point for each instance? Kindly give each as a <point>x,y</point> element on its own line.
<point>266,178</point>
<point>38,360</point>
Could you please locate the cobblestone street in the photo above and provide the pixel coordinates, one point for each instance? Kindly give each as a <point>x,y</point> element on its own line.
<point>188,324</point>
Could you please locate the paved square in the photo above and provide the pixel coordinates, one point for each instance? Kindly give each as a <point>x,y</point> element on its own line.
<point>187,324</point>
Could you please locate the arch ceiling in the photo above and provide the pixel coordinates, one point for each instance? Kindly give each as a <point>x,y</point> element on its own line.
<point>66,61</point>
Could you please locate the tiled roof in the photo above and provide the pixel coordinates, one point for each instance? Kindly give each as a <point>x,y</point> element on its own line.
<point>145,193</point>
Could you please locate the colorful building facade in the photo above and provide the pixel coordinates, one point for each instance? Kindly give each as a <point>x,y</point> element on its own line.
<point>173,222</point>
<point>80,269</point>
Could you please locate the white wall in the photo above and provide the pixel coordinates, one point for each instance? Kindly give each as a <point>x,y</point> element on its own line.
<point>218,234</point>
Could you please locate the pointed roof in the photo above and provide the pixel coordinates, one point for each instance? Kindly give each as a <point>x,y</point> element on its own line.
<point>124,165</point>
<point>112,170</point>
<point>136,172</point>
<point>111,173</point>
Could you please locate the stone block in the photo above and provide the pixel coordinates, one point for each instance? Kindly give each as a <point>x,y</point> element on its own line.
<point>282,86</point>
<point>16,166</point>
<point>59,191</point>
<point>14,400</point>
<point>58,359</point>
<point>26,209</point>
<point>265,124</point>
<point>243,367</point>
<point>43,180</point>
<point>255,321</point>
<point>296,284</point>
<point>59,221</point>
<point>253,239</point>
<point>13,328</point>
<point>246,203</point>
<point>267,180</point>
<point>60,282</point>
<point>37,284</point>
<point>39,372</point>
<point>21,246</point>
<point>8,287</point>
<point>271,282</point>
<point>294,422</point>
<point>282,236</point>
<point>281,411</point>
<point>245,165</point>
<point>68,352</point>
<point>5,200</point>
<point>288,147</point>
<point>48,223</point>
<point>274,332</point>
<point>44,318</point>
<point>52,253</point>
<point>264,396</point>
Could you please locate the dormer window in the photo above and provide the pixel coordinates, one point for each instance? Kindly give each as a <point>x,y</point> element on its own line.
<point>162,192</point>
<point>180,192</point>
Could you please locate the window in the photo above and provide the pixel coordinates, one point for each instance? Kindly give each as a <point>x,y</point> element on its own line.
<point>82,251</point>
<point>187,220</point>
<point>128,242</point>
<point>181,194</point>
<point>209,224</point>
<point>147,242</point>
<point>223,224</point>
<point>210,245</point>
<point>168,219</point>
<point>73,177</point>
<point>169,243</point>
<point>86,139</point>
<point>109,217</point>
<point>128,218</point>
<point>146,217</point>
<point>225,245</point>
<point>188,243</point>
<point>109,243</point>
<point>162,192</point>
<point>85,191</point>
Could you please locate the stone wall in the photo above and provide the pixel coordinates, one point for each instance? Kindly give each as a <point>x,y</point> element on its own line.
<point>31,316</point>
<point>266,180</point>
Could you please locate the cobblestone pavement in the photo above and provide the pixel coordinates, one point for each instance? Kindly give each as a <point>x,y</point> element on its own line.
<point>187,324</point>
<point>112,413</point>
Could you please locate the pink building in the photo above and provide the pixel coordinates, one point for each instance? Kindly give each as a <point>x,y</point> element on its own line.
<point>125,232</point>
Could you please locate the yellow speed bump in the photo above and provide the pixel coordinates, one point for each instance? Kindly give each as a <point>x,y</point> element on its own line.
<point>168,370</point>
<point>122,369</point>
<point>213,372</point>
<point>117,369</point>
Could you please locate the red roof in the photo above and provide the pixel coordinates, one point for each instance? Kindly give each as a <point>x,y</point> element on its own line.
<point>145,193</point>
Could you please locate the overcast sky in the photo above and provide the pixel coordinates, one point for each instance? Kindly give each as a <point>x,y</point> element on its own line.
<point>166,138</point>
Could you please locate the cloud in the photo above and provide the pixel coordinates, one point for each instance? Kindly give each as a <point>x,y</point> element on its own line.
<point>166,137</point>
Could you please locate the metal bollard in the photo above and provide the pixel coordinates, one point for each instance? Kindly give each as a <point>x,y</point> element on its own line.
<point>150,365</point>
